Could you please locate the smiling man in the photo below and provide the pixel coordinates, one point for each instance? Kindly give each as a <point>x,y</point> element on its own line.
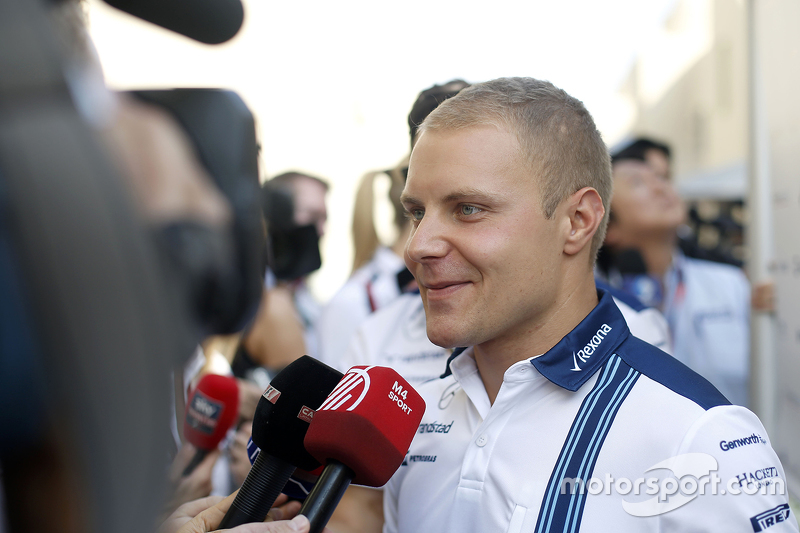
<point>508,189</point>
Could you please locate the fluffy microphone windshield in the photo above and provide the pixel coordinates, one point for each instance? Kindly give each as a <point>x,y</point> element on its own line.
<point>367,423</point>
<point>287,407</point>
<point>211,411</point>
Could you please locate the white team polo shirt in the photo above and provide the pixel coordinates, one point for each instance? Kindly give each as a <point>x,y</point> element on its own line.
<point>601,405</point>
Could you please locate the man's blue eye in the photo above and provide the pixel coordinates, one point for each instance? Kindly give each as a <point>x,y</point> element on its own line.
<point>417,214</point>
<point>469,210</point>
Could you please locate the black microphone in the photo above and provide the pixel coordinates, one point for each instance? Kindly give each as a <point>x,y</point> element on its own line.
<point>280,424</point>
<point>207,21</point>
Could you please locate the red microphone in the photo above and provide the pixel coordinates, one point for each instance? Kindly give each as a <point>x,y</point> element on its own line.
<point>210,412</point>
<point>362,433</point>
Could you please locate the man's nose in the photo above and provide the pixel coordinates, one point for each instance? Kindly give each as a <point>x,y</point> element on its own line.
<point>428,240</point>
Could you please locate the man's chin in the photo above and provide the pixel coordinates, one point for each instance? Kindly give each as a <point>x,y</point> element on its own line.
<point>448,337</point>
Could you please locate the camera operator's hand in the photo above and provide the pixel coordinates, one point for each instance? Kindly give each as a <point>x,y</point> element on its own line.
<point>204,516</point>
<point>240,462</point>
<point>195,485</point>
<point>249,395</point>
<point>186,513</point>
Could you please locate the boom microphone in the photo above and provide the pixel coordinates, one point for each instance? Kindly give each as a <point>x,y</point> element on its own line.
<point>281,420</point>
<point>362,432</point>
<point>207,21</point>
<point>210,412</point>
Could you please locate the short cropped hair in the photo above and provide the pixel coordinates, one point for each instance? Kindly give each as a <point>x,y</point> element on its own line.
<point>556,134</point>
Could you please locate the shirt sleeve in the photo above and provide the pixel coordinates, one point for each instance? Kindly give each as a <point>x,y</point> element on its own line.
<point>741,484</point>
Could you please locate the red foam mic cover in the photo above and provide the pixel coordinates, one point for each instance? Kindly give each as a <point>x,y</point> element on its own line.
<point>211,411</point>
<point>367,423</point>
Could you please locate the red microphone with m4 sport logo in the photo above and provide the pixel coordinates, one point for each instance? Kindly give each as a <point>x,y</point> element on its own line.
<point>361,432</point>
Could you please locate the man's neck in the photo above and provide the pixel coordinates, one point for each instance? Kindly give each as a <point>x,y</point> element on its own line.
<point>657,254</point>
<point>494,357</point>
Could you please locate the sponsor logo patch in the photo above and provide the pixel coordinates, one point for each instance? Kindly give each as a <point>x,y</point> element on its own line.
<point>271,394</point>
<point>203,413</point>
<point>770,518</point>
<point>755,438</point>
<point>418,459</point>
<point>586,352</point>
<point>399,395</point>
<point>306,414</point>
<point>758,478</point>
<point>421,458</point>
<point>448,395</point>
<point>435,427</point>
<point>352,388</point>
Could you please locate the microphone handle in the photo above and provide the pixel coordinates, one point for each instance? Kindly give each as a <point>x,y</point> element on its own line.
<point>324,497</point>
<point>259,491</point>
<point>199,455</point>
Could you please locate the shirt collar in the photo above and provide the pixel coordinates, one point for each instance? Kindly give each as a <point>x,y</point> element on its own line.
<point>583,351</point>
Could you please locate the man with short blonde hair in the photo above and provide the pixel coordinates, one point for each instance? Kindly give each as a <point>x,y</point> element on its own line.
<point>507,192</point>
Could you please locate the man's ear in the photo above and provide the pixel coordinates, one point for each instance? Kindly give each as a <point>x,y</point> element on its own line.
<point>585,212</point>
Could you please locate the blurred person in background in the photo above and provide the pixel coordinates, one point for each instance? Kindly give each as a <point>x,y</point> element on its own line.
<point>310,210</point>
<point>707,304</point>
<point>376,279</point>
<point>309,198</point>
<point>285,326</point>
<point>658,156</point>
